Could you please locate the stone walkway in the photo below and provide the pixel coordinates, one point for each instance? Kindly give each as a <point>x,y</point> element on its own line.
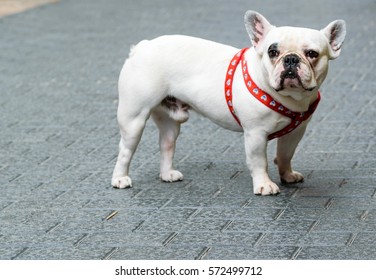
<point>59,136</point>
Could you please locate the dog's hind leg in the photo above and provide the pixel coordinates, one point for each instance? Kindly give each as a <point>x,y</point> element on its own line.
<point>131,129</point>
<point>135,105</point>
<point>169,130</point>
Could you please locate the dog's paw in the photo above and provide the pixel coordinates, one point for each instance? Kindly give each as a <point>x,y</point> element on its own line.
<point>121,182</point>
<point>292,177</point>
<point>171,176</point>
<point>266,188</point>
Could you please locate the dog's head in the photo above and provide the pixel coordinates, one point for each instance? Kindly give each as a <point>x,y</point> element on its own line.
<point>294,60</point>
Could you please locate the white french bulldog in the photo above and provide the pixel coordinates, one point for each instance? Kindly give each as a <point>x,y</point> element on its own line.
<point>166,77</point>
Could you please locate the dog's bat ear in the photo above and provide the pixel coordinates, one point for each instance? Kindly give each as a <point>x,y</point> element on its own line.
<point>336,33</point>
<point>257,27</point>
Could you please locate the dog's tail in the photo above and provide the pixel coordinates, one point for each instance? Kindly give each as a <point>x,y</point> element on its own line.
<point>134,48</point>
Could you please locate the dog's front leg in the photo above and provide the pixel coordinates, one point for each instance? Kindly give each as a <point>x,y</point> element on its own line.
<point>286,146</point>
<point>255,147</point>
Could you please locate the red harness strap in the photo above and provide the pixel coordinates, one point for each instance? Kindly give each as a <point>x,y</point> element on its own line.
<point>296,117</point>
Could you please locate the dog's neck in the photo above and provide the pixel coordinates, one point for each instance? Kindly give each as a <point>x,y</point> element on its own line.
<point>297,117</point>
<point>254,62</point>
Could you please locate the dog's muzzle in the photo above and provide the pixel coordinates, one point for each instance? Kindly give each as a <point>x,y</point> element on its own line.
<point>289,76</point>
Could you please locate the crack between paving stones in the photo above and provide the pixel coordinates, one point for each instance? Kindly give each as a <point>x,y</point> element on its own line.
<point>20,253</point>
<point>227,225</point>
<point>279,214</point>
<point>194,214</point>
<point>329,203</point>
<point>374,194</point>
<point>236,175</point>
<point>203,253</point>
<point>313,226</point>
<point>351,239</point>
<point>139,226</point>
<point>166,203</point>
<point>80,240</point>
<point>55,226</point>
<point>169,239</point>
<point>296,253</point>
<point>364,215</point>
<point>260,238</point>
<point>110,253</point>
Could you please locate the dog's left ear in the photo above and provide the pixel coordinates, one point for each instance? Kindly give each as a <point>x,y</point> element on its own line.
<point>336,33</point>
<point>257,27</point>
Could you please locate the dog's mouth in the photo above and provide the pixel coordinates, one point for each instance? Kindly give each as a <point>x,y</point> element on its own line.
<point>290,79</point>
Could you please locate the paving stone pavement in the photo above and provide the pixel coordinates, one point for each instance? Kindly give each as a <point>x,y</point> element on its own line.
<point>58,143</point>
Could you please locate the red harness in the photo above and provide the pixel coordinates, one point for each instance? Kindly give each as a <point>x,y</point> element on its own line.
<point>296,117</point>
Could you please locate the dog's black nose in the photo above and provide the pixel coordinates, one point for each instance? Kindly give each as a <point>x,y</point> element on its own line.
<point>291,61</point>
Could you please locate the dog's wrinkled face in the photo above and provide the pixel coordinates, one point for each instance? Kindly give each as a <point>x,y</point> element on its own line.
<point>295,60</point>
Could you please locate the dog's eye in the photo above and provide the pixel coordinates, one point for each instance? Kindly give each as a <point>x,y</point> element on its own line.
<point>273,53</point>
<point>312,54</point>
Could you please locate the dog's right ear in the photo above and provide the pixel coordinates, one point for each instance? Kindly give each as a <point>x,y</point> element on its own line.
<point>257,27</point>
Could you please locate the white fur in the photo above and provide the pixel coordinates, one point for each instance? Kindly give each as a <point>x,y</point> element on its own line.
<point>193,70</point>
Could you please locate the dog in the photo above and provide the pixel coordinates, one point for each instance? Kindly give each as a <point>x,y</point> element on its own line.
<point>268,90</point>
